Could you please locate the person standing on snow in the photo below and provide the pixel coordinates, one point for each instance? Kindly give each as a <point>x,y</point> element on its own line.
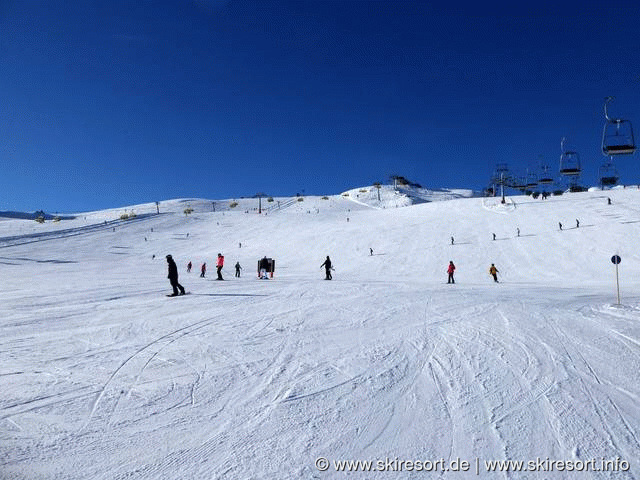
<point>203,269</point>
<point>219,265</point>
<point>450,270</point>
<point>493,271</point>
<point>189,267</point>
<point>238,268</point>
<point>263,266</point>
<point>327,268</point>
<point>173,277</point>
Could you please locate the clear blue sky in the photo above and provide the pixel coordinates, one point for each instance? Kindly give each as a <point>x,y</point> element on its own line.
<point>113,103</point>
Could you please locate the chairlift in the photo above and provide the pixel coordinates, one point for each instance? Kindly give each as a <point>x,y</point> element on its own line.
<point>569,162</point>
<point>519,183</point>
<point>617,135</point>
<point>545,177</point>
<point>532,181</point>
<point>608,174</point>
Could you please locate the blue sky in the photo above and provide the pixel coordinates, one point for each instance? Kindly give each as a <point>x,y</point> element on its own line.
<point>108,104</point>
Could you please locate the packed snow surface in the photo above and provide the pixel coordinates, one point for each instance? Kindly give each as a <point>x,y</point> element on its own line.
<point>104,377</point>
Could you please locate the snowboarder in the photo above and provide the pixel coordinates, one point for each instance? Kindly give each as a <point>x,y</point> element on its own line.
<point>450,270</point>
<point>173,277</point>
<point>219,265</point>
<point>327,268</point>
<point>189,265</point>
<point>238,268</point>
<point>493,271</point>
<point>203,270</point>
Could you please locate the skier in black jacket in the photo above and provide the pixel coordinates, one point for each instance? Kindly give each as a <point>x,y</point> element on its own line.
<point>327,268</point>
<point>173,277</point>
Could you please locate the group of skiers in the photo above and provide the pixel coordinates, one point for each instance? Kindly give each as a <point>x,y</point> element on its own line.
<point>219,266</point>
<point>493,271</point>
<point>262,265</point>
<point>173,272</point>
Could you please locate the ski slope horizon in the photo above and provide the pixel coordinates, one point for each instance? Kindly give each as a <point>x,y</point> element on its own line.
<point>103,376</point>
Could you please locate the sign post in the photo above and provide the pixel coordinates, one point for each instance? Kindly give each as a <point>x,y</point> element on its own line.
<point>616,260</point>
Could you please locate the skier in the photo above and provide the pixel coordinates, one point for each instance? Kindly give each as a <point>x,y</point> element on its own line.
<point>238,268</point>
<point>189,265</point>
<point>263,266</point>
<point>518,229</point>
<point>608,201</point>
<point>173,277</point>
<point>493,271</point>
<point>452,241</point>
<point>219,265</point>
<point>327,268</point>
<point>203,269</point>
<point>494,236</point>
<point>577,223</point>
<point>450,270</point>
<point>560,225</point>
<point>370,252</point>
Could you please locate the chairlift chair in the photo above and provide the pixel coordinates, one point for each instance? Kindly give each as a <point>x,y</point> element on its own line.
<point>608,174</point>
<point>545,177</point>
<point>569,162</point>
<point>617,135</point>
<point>545,180</point>
<point>519,183</point>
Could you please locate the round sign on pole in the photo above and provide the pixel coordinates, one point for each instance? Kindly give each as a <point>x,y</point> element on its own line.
<point>616,259</point>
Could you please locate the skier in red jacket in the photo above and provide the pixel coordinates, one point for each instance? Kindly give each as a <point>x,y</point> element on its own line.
<point>450,271</point>
<point>219,265</point>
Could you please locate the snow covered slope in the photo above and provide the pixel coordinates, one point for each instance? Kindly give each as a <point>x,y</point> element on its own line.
<point>404,195</point>
<point>102,376</point>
